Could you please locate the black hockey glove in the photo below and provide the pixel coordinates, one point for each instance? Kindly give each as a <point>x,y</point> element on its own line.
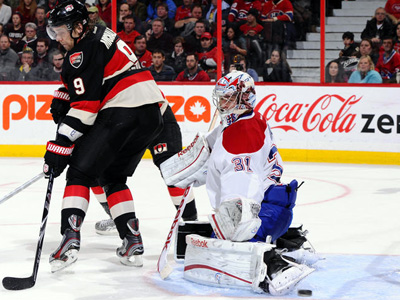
<point>57,156</point>
<point>60,105</point>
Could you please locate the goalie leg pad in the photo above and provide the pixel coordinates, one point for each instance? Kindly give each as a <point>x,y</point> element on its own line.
<point>224,263</point>
<point>185,228</point>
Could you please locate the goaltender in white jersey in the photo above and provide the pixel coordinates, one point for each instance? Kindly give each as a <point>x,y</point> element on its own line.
<point>241,166</point>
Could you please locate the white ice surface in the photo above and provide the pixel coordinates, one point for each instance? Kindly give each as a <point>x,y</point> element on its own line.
<point>352,213</point>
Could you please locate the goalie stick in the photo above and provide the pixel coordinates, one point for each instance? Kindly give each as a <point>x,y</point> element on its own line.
<point>22,187</point>
<point>163,267</point>
<point>15,283</point>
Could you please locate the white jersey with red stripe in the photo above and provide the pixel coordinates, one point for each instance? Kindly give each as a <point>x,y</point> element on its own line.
<point>244,160</point>
<point>101,72</point>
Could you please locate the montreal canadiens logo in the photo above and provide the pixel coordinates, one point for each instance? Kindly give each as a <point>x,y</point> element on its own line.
<point>160,148</point>
<point>76,59</point>
<point>69,7</point>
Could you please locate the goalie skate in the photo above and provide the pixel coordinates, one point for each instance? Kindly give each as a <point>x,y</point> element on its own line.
<point>131,251</point>
<point>106,227</point>
<point>282,274</point>
<point>67,253</point>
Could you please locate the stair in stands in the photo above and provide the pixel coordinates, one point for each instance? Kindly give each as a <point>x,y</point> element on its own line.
<point>353,16</point>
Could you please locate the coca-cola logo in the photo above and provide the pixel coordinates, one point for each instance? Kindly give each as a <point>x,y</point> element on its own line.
<point>327,113</point>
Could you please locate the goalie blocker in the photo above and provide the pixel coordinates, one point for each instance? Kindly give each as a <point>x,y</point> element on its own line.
<point>246,265</point>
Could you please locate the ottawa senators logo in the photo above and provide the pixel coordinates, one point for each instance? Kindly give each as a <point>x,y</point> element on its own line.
<point>160,148</point>
<point>76,59</point>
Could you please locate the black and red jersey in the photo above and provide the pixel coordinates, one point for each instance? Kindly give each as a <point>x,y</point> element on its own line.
<point>100,72</point>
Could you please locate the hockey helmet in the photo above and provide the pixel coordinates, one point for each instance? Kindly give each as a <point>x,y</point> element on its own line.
<point>233,95</point>
<point>67,13</point>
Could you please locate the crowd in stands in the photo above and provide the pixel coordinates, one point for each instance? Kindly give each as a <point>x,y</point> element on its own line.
<point>176,39</point>
<point>376,59</point>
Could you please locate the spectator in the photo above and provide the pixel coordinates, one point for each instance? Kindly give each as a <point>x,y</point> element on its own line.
<point>240,65</point>
<point>277,16</point>
<point>184,11</point>
<point>159,39</point>
<point>240,8</point>
<point>397,39</point>
<point>49,5</point>
<point>159,70</point>
<point>138,8</point>
<point>1,29</point>
<point>162,13</point>
<point>41,22</point>
<point>141,52</point>
<point>104,8</point>
<point>177,59</point>
<point>15,31</point>
<point>350,47</point>
<point>211,11</point>
<point>365,72</point>
<point>334,72</point>
<point>192,72</point>
<point>208,55</point>
<point>232,44</point>
<point>193,40</point>
<point>8,58</point>
<point>366,48</point>
<point>276,68</point>
<point>27,71</point>
<point>29,40</point>
<point>57,59</point>
<point>152,11</point>
<point>392,8</point>
<point>5,13</point>
<point>378,27</point>
<point>42,55</point>
<point>27,10</point>
<point>186,26</point>
<point>94,18</point>
<point>129,33</point>
<point>251,31</point>
<point>389,61</point>
<point>125,10</point>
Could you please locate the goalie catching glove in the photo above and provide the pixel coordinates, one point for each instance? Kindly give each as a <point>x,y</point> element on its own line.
<point>236,220</point>
<point>187,166</point>
<point>57,155</point>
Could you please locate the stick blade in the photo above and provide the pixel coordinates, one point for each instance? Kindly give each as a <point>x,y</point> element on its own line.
<point>165,272</point>
<point>16,284</point>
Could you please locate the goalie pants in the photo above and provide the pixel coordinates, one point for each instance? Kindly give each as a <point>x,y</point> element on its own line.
<point>276,212</point>
<point>110,152</point>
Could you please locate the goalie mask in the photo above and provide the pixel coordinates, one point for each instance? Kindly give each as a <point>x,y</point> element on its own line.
<point>233,95</point>
<point>67,13</point>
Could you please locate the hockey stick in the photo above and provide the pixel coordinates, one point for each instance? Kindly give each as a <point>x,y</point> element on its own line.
<point>22,187</point>
<point>163,267</point>
<point>14,283</point>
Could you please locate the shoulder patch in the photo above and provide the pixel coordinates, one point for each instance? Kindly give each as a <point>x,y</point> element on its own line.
<point>76,59</point>
<point>245,136</point>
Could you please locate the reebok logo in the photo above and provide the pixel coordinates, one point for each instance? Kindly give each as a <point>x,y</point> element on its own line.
<point>198,243</point>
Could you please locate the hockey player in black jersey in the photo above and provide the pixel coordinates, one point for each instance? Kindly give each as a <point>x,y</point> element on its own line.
<point>115,113</point>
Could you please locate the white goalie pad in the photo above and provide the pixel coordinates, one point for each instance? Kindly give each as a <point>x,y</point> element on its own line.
<point>236,219</point>
<point>224,263</point>
<point>187,166</point>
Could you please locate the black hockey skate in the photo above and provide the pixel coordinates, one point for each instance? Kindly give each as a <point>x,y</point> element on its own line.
<point>294,244</point>
<point>131,251</point>
<point>66,253</point>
